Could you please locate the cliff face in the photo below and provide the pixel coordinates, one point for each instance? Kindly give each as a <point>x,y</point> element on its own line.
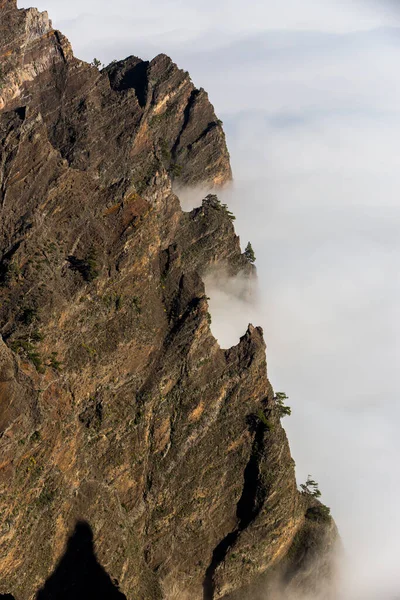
<point>124,427</point>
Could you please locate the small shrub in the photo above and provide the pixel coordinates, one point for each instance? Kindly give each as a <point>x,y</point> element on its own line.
<point>11,272</point>
<point>96,63</point>
<point>282,408</point>
<point>165,151</point>
<point>215,202</point>
<point>118,302</point>
<point>319,513</point>
<point>113,301</point>
<point>32,465</point>
<point>36,359</point>
<point>20,346</point>
<point>264,420</point>
<point>175,170</point>
<point>310,487</point>
<point>136,304</point>
<point>29,315</point>
<point>35,437</point>
<point>25,347</point>
<point>54,363</point>
<point>228,212</point>
<point>146,179</point>
<point>45,497</point>
<point>36,336</point>
<point>249,253</point>
<point>91,271</point>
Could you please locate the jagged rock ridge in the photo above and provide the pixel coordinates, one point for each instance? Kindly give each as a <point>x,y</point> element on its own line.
<point>118,408</point>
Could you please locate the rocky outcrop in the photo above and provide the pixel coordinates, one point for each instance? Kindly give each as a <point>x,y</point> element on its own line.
<point>125,428</point>
<point>121,123</point>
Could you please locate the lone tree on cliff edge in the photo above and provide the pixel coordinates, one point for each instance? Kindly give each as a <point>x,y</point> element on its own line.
<point>249,253</point>
<point>310,487</point>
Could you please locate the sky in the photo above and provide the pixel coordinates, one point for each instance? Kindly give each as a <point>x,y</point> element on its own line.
<point>309,93</point>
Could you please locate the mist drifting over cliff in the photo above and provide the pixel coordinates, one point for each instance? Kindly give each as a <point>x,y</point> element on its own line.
<point>316,192</point>
<point>322,219</point>
<point>309,95</point>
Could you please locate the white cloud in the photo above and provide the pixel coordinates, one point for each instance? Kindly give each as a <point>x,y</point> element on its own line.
<point>230,15</point>
<point>319,199</point>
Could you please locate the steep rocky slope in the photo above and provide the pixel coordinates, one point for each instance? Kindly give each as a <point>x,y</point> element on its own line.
<point>124,427</point>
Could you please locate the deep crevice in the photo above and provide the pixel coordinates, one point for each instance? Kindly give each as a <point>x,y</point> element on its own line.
<point>58,35</point>
<point>212,125</point>
<point>186,117</point>
<point>248,507</point>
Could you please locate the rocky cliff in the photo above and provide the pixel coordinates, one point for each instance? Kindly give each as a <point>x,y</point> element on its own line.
<point>137,458</point>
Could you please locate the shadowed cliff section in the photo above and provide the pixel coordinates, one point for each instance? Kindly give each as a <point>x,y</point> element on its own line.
<point>79,575</point>
<point>250,503</point>
<point>130,74</point>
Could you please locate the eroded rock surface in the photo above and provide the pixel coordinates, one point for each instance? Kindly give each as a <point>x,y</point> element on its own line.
<point>118,408</point>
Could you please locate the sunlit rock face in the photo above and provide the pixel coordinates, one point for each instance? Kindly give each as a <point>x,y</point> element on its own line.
<point>118,409</point>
